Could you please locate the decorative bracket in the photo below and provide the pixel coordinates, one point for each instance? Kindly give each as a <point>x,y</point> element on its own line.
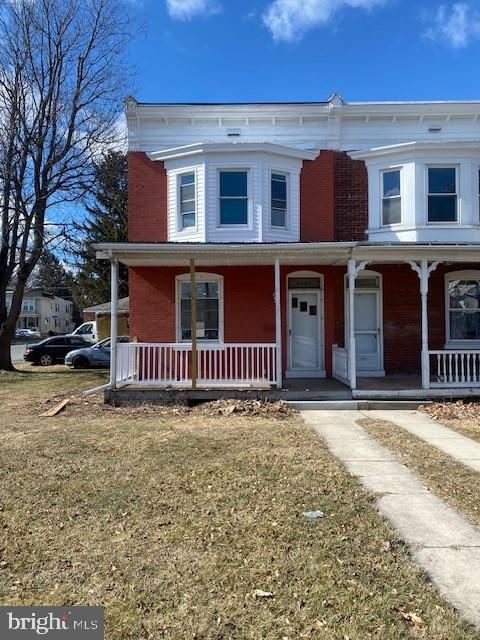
<point>360,267</point>
<point>423,270</point>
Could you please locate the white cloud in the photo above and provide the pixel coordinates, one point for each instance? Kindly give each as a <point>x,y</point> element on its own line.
<point>457,25</point>
<point>187,9</point>
<point>288,20</point>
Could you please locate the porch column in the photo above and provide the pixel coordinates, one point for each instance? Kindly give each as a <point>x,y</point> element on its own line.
<point>278,324</point>
<point>352,355</point>
<point>113,321</point>
<point>423,270</point>
<point>193,321</point>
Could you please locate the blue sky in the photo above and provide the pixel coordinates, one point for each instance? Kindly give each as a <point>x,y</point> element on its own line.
<point>281,50</point>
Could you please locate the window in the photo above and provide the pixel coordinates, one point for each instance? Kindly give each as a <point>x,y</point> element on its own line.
<point>28,305</point>
<point>208,310</point>
<point>464,308</point>
<point>278,200</point>
<point>391,198</point>
<point>233,197</point>
<point>442,194</point>
<point>187,200</point>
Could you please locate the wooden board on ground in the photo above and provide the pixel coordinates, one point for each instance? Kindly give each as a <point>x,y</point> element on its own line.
<point>55,409</point>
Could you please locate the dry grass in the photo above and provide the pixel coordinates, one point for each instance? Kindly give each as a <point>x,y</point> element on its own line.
<point>462,416</point>
<point>172,519</point>
<point>455,483</point>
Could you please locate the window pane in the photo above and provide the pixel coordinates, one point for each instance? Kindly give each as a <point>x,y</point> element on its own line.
<point>465,325</point>
<point>207,317</point>
<point>234,211</point>
<point>442,208</point>
<point>188,178</point>
<point>233,183</point>
<point>392,210</point>
<point>188,220</point>
<point>279,190</point>
<point>391,183</point>
<point>278,217</point>
<point>464,294</point>
<point>441,180</point>
<point>188,192</point>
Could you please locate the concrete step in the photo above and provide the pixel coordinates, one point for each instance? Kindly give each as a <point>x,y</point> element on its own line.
<point>356,405</point>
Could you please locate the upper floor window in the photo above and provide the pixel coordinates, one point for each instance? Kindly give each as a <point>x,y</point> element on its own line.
<point>187,200</point>
<point>278,200</point>
<point>442,194</point>
<point>233,197</point>
<point>391,197</point>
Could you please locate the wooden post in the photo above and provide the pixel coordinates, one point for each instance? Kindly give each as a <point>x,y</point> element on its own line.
<point>193,324</point>
<point>278,324</point>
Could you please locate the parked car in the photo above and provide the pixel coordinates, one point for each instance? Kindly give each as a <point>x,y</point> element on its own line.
<point>88,331</point>
<point>27,333</point>
<point>52,350</point>
<point>96,356</point>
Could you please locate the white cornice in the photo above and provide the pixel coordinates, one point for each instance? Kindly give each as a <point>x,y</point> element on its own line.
<point>460,146</point>
<point>231,147</point>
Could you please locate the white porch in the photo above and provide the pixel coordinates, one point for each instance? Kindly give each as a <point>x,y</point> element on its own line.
<point>260,366</point>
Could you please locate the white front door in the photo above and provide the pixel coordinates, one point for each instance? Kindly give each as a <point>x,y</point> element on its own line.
<point>305,353</point>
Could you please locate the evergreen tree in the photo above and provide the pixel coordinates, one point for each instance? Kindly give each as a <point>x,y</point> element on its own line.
<point>106,222</point>
<point>51,276</point>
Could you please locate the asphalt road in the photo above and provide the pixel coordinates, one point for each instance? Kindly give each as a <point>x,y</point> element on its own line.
<point>17,352</point>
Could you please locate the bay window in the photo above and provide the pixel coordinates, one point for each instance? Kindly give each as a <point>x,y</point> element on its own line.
<point>233,195</point>
<point>442,194</point>
<point>278,200</point>
<point>463,307</point>
<point>208,305</point>
<point>391,197</point>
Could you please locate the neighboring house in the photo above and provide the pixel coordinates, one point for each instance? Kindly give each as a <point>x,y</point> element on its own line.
<point>292,219</point>
<point>101,314</point>
<point>44,312</point>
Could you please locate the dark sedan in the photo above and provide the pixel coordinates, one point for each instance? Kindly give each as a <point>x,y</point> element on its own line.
<point>52,350</point>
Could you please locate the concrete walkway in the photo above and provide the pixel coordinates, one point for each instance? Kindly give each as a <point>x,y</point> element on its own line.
<point>463,449</point>
<point>441,542</point>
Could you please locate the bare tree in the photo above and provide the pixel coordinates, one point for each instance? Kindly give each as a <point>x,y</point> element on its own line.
<point>62,75</point>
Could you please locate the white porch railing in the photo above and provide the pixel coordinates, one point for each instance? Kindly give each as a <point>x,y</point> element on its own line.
<point>217,364</point>
<point>340,363</point>
<point>450,369</point>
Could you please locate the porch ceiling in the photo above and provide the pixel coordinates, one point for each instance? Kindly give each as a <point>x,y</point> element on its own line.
<point>170,254</point>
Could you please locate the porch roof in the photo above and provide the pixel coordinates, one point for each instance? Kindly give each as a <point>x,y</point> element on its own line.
<point>137,254</point>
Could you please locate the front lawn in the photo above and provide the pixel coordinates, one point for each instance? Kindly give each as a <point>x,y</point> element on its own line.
<point>173,520</point>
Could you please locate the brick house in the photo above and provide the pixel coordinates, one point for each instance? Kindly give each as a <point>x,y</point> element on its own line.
<point>287,220</point>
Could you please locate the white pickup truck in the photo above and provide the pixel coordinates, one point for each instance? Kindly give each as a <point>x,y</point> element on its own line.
<point>88,331</point>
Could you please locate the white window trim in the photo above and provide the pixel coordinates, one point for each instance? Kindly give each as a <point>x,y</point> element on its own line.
<point>179,217</point>
<point>382,172</point>
<point>286,226</point>
<point>458,275</point>
<point>452,165</point>
<point>233,169</point>
<point>199,277</point>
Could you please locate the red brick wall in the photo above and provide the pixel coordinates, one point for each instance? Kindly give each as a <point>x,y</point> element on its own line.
<point>317,198</point>
<point>147,199</point>
<point>249,309</point>
<point>351,198</point>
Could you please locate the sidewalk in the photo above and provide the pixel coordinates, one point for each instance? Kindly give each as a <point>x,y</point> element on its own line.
<point>463,449</point>
<point>441,542</point>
